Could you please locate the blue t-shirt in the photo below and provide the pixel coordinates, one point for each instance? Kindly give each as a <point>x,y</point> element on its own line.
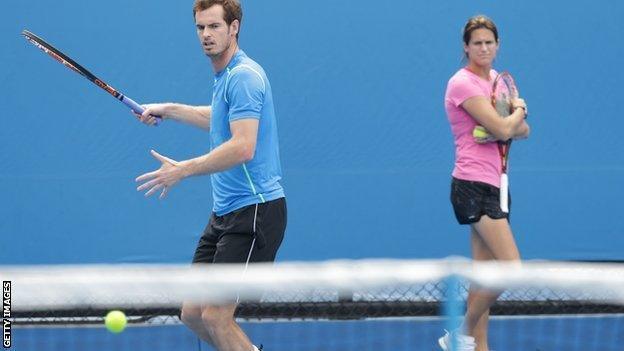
<point>242,90</point>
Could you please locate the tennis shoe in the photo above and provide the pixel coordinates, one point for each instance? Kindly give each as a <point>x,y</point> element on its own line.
<point>464,342</point>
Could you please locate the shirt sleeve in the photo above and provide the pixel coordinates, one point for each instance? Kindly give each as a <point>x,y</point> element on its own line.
<point>462,89</point>
<point>245,93</point>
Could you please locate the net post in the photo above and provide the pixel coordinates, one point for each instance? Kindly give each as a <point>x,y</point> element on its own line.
<point>453,307</point>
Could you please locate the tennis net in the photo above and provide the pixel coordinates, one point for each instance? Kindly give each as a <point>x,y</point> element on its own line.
<point>335,305</point>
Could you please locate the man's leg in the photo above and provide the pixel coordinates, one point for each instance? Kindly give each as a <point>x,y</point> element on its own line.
<point>192,318</point>
<point>235,238</point>
<point>225,333</point>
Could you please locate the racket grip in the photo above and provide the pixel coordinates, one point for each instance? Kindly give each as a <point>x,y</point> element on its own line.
<point>504,193</point>
<point>136,107</point>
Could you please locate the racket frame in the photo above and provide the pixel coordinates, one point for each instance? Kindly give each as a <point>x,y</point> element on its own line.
<point>76,67</point>
<point>504,145</point>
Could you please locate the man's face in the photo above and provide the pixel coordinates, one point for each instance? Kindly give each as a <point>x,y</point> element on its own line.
<point>214,34</point>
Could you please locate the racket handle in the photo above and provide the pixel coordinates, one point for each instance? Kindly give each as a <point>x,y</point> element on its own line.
<point>136,107</point>
<point>504,193</point>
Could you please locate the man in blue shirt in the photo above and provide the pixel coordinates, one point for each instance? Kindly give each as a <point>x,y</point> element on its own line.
<point>249,215</point>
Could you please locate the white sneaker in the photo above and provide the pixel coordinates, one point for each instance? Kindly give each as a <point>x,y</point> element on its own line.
<point>464,342</point>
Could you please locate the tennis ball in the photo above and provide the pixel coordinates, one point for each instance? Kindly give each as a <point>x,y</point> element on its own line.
<point>115,321</point>
<point>480,133</point>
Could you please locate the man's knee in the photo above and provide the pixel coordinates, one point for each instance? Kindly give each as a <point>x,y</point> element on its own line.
<point>217,316</point>
<point>191,315</point>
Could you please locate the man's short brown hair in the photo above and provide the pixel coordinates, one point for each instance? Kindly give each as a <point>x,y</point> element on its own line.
<point>231,9</point>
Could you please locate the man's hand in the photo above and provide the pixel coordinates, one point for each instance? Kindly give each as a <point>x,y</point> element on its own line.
<point>152,110</point>
<point>169,173</point>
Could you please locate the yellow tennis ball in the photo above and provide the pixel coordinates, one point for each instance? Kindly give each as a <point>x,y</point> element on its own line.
<point>480,133</point>
<point>115,321</point>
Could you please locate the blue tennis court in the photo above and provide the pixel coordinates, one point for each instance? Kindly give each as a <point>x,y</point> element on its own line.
<point>553,333</point>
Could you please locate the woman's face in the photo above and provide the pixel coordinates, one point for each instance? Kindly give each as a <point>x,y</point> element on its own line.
<point>482,48</point>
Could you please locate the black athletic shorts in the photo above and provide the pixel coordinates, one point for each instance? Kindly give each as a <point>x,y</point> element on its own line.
<point>229,238</point>
<point>471,200</point>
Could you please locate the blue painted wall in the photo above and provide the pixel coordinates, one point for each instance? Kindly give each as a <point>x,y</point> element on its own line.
<point>366,148</point>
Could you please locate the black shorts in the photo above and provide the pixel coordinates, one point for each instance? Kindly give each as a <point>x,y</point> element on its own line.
<point>471,200</point>
<point>229,238</point>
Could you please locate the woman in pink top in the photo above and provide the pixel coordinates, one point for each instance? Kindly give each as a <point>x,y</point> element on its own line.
<point>476,176</point>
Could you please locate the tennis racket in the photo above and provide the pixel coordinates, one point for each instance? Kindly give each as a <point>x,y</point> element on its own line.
<point>503,92</point>
<point>74,66</point>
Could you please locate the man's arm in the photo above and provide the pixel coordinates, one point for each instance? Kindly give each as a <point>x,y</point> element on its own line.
<point>198,116</point>
<point>239,149</point>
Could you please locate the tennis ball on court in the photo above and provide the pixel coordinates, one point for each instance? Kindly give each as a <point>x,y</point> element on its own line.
<point>115,321</point>
<point>480,133</point>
